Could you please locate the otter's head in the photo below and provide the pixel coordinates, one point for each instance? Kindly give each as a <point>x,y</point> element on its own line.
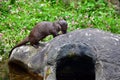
<point>63,25</point>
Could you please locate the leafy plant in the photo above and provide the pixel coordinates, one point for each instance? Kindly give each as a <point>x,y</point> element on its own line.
<point>16,20</point>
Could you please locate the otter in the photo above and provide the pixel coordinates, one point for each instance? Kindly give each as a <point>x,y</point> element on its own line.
<point>42,30</point>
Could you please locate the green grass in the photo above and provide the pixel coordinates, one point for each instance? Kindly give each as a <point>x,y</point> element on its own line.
<point>18,19</point>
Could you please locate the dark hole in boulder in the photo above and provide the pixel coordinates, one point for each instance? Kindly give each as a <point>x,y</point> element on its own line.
<point>75,68</point>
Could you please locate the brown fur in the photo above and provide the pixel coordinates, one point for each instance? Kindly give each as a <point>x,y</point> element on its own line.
<point>41,30</point>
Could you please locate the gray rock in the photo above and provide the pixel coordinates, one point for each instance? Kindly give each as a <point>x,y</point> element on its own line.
<point>91,53</point>
<point>19,63</point>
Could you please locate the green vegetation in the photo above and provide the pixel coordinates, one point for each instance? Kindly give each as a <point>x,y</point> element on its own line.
<point>16,20</point>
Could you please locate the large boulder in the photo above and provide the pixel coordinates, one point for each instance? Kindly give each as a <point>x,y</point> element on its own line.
<point>88,54</point>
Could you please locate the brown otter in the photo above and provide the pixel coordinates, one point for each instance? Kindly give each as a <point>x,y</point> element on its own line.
<point>41,30</point>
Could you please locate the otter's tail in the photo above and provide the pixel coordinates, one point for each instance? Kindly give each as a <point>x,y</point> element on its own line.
<point>23,42</point>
